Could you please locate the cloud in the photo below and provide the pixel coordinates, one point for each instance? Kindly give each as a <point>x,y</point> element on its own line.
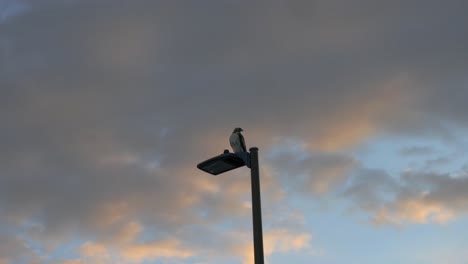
<point>412,210</point>
<point>276,240</point>
<point>308,170</point>
<point>169,248</point>
<point>12,247</point>
<point>92,250</point>
<point>414,197</point>
<point>283,241</point>
<point>73,261</point>
<point>417,151</point>
<point>134,252</point>
<point>9,9</point>
<point>106,109</point>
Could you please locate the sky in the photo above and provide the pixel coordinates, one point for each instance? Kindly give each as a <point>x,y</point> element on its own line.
<point>358,108</point>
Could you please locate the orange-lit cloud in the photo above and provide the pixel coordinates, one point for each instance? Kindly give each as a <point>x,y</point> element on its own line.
<point>93,250</point>
<point>73,261</point>
<point>363,115</point>
<point>165,248</point>
<point>275,241</point>
<point>134,252</point>
<point>414,197</point>
<point>413,211</point>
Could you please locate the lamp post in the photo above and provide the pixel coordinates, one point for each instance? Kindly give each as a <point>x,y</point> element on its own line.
<point>230,161</point>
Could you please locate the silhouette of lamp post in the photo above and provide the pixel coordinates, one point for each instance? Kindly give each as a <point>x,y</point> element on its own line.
<point>230,161</point>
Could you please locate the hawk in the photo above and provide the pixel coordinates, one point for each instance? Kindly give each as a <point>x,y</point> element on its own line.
<point>237,141</point>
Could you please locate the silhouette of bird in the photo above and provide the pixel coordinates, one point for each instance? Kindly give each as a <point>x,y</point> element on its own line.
<point>237,141</point>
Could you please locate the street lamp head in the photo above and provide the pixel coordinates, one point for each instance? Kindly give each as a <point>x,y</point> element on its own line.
<point>222,163</point>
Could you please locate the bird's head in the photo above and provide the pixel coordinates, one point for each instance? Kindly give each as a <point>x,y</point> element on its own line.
<point>237,129</point>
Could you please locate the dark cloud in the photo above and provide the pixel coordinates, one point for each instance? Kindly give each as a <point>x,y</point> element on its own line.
<point>370,188</point>
<point>309,171</point>
<point>417,151</point>
<point>13,247</point>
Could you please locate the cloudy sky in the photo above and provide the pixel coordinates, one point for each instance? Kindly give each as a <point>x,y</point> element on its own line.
<point>358,108</point>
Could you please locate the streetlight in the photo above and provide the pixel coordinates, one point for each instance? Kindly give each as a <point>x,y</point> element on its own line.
<point>230,161</point>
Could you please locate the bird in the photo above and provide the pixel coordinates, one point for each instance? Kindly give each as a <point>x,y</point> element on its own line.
<point>237,141</point>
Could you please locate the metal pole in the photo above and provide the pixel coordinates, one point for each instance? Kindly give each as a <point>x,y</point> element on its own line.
<point>256,207</point>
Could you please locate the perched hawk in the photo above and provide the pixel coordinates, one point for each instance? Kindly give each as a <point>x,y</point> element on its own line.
<point>237,141</point>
